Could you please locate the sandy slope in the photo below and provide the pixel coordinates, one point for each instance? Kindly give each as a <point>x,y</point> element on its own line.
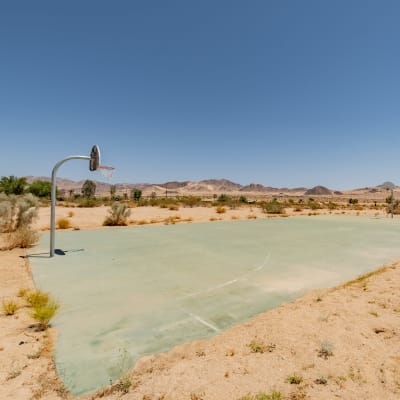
<point>360,323</point>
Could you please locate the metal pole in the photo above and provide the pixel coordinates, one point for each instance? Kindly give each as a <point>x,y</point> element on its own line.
<point>53,198</point>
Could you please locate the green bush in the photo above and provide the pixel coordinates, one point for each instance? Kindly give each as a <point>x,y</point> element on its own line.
<point>273,207</point>
<point>119,214</point>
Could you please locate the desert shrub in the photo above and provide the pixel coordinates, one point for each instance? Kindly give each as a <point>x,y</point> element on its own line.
<point>173,207</point>
<point>190,201</point>
<point>220,210</point>
<point>223,198</point>
<point>10,307</point>
<point>313,205</point>
<point>23,237</point>
<point>294,379</point>
<point>119,214</point>
<point>43,313</point>
<point>257,347</point>
<point>37,298</point>
<point>70,214</point>
<point>273,207</point>
<point>63,223</point>
<point>136,194</point>
<point>17,211</point>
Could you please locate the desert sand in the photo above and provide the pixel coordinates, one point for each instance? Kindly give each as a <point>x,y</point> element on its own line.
<point>341,342</point>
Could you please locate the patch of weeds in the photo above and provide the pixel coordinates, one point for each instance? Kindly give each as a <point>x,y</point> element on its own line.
<point>326,350</point>
<point>124,384</point>
<point>274,395</point>
<point>321,381</point>
<point>34,356</point>
<point>257,347</point>
<point>44,313</point>
<point>195,396</point>
<point>36,298</point>
<point>200,353</point>
<point>294,379</point>
<point>10,307</point>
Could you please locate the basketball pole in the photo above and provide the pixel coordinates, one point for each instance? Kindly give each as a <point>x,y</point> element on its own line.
<point>53,198</point>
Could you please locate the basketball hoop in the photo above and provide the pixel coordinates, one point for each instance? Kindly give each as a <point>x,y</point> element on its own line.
<point>106,171</point>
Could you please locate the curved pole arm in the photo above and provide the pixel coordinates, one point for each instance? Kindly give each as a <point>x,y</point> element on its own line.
<point>53,198</point>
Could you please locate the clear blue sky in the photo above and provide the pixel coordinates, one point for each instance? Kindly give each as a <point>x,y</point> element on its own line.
<point>283,93</point>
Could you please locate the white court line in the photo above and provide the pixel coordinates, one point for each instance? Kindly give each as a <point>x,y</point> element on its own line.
<point>202,321</point>
<point>221,285</point>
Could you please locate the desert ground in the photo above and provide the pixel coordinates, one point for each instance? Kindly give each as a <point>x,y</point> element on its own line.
<point>334,343</point>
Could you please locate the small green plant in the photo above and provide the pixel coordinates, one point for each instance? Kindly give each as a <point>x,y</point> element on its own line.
<point>326,350</point>
<point>44,313</point>
<point>257,347</point>
<point>63,223</point>
<point>294,379</point>
<point>124,384</point>
<point>119,214</point>
<point>10,307</point>
<point>273,207</point>
<point>274,395</point>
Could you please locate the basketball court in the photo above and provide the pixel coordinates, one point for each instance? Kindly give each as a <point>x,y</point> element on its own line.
<point>129,292</point>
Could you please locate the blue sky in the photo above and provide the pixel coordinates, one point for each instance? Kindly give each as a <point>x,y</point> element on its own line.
<point>283,93</point>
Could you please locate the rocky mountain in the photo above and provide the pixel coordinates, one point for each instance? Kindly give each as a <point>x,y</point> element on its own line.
<point>207,187</point>
<point>318,191</point>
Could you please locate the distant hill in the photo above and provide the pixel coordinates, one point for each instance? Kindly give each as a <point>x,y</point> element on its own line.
<point>318,191</point>
<point>207,187</point>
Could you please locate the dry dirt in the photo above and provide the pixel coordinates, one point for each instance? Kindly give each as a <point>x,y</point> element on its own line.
<point>342,343</point>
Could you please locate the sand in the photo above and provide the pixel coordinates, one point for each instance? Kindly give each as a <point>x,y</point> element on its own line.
<point>341,343</point>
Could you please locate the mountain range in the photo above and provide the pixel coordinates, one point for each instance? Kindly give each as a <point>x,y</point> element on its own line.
<point>210,187</point>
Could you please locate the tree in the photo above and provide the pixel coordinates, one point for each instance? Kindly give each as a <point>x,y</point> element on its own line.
<point>136,194</point>
<point>88,189</point>
<point>113,189</point>
<point>40,189</point>
<point>12,185</point>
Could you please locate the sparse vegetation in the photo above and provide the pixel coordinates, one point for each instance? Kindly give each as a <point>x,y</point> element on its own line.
<point>258,347</point>
<point>119,213</point>
<point>9,307</point>
<point>37,298</point>
<point>43,313</point>
<point>16,215</point>
<point>273,207</point>
<point>63,223</point>
<point>274,395</point>
<point>294,379</point>
<point>220,210</point>
<point>326,350</point>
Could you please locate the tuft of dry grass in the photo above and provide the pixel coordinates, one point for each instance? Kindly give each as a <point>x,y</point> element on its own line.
<point>63,223</point>
<point>258,347</point>
<point>10,307</point>
<point>252,216</point>
<point>220,210</point>
<point>70,214</point>
<point>37,298</point>
<point>23,238</point>
<point>362,278</point>
<point>44,313</point>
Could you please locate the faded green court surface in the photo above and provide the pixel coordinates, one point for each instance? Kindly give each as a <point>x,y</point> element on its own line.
<point>142,290</point>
